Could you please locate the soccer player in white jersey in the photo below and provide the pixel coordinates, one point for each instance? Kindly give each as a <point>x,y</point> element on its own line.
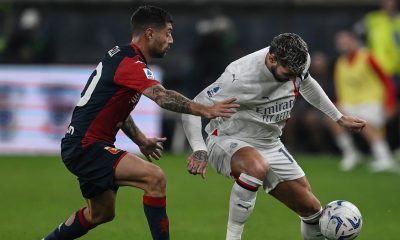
<point>247,146</point>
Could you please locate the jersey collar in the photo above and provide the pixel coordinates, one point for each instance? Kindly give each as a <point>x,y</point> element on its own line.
<point>137,51</point>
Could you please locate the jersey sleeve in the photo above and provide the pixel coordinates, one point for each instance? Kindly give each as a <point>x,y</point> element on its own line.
<point>315,95</point>
<point>134,74</point>
<point>220,90</point>
<point>225,87</point>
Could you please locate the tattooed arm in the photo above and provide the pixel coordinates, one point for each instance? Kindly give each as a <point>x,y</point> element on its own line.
<point>176,102</point>
<point>150,147</point>
<point>133,132</point>
<point>197,163</point>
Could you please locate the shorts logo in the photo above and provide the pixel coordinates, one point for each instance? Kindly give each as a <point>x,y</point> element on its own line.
<point>149,73</point>
<point>213,91</point>
<point>233,145</point>
<point>112,150</point>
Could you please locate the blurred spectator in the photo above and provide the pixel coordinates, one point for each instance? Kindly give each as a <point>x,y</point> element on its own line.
<point>61,100</point>
<point>30,41</point>
<point>365,91</point>
<point>381,31</point>
<point>5,18</point>
<point>8,119</point>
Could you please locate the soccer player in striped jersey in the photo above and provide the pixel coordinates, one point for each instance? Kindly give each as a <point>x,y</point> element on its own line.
<point>247,146</point>
<point>111,93</point>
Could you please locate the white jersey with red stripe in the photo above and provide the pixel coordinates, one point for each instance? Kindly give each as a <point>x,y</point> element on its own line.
<point>265,103</point>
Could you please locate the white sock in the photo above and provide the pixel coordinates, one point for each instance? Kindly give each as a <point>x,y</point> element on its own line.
<point>381,151</point>
<point>241,204</point>
<point>346,144</point>
<point>310,227</point>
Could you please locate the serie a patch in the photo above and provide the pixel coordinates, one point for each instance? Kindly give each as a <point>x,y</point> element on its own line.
<point>149,74</point>
<point>212,91</point>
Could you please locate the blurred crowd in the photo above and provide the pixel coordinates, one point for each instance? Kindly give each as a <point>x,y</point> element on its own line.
<point>360,72</point>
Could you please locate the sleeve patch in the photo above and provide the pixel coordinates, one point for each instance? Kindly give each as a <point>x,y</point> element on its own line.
<point>212,91</point>
<point>114,51</point>
<point>149,74</point>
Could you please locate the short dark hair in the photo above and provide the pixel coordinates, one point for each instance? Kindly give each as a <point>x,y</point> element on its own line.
<point>291,51</point>
<point>149,16</point>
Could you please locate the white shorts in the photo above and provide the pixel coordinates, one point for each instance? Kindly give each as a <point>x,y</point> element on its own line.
<point>373,113</point>
<point>282,165</point>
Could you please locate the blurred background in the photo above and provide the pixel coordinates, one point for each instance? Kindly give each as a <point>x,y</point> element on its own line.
<point>48,49</point>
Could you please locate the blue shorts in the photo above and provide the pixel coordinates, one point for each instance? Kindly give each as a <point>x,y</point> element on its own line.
<point>93,165</point>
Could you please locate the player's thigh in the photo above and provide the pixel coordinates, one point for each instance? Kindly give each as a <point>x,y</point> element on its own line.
<point>134,171</point>
<point>222,151</point>
<point>297,195</point>
<point>248,160</point>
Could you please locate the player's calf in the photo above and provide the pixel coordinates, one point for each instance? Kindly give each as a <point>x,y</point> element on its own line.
<point>97,218</point>
<point>242,201</point>
<point>75,227</point>
<point>156,214</point>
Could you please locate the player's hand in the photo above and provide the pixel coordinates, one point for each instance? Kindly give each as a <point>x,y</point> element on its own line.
<point>226,109</point>
<point>152,148</point>
<point>197,163</point>
<point>352,123</point>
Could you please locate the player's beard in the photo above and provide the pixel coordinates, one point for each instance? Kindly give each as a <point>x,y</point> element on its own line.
<point>278,78</point>
<point>158,52</point>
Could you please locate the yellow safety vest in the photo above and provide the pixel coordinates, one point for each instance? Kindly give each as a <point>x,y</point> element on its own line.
<point>356,82</point>
<point>383,39</point>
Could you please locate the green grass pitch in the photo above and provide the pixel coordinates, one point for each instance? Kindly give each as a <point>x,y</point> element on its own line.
<point>38,193</point>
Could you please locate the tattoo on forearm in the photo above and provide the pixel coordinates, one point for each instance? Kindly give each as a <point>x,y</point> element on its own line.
<point>200,155</point>
<point>129,128</point>
<point>171,100</point>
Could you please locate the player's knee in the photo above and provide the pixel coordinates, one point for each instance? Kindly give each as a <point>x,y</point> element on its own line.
<point>157,180</point>
<point>258,170</point>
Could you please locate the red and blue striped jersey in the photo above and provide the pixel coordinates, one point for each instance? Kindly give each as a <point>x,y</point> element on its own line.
<point>111,93</point>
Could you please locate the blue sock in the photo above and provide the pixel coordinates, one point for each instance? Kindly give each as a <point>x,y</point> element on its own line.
<point>154,209</point>
<point>79,227</point>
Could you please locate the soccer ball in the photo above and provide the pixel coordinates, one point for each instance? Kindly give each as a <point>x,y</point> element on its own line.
<point>340,220</point>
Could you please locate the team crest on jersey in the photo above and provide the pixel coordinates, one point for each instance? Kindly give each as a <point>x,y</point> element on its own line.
<point>112,150</point>
<point>233,145</point>
<point>212,91</point>
<point>149,74</point>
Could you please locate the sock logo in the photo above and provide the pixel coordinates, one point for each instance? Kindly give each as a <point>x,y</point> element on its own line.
<point>240,205</point>
<point>164,225</point>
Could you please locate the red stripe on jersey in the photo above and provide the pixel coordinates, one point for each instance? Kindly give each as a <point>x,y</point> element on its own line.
<point>155,201</point>
<point>131,73</point>
<point>107,123</point>
<point>215,132</point>
<point>295,90</point>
